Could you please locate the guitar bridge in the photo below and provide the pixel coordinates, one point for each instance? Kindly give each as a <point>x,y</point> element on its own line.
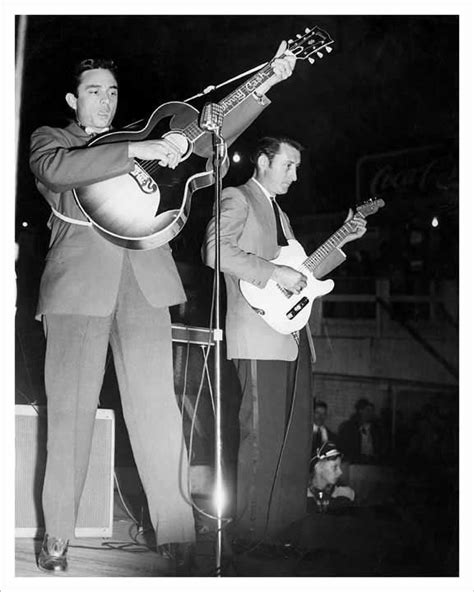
<point>297,308</point>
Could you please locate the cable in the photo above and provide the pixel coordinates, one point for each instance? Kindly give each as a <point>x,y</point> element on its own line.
<point>131,516</point>
<point>204,374</point>
<point>31,403</point>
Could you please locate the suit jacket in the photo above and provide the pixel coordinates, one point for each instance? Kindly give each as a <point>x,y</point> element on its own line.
<point>350,441</point>
<point>83,269</point>
<point>248,243</point>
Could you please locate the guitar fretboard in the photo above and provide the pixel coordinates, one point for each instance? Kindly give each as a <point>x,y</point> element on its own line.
<point>327,247</point>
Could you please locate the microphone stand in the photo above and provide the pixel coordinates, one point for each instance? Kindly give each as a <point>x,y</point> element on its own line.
<point>219,156</point>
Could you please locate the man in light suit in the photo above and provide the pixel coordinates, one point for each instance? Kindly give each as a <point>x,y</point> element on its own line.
<point>94,292</point>
<point>274,373</point>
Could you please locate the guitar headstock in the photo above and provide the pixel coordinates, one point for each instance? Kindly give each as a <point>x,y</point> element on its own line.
<point>312,42</point>
<point>369,207</point>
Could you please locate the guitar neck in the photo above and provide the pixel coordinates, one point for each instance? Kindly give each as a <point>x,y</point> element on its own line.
<point>232,100</point>
<point>239,95</point>
<point>332,243</point>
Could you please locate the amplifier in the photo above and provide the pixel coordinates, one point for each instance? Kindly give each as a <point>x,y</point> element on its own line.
<point>95,518</point>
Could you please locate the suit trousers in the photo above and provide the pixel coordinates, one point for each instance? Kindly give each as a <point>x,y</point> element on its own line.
<point>76,349</point>
<point>275,445</point>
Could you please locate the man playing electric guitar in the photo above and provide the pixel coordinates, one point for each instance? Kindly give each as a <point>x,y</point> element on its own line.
<point>274,372</point>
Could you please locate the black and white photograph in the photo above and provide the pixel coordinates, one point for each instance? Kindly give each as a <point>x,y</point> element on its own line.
<point>234,262</point>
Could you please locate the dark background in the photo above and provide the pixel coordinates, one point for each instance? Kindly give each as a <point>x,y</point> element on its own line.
<point>390,84</point>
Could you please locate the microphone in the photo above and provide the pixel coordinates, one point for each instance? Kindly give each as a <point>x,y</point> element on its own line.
<point>212,116</point>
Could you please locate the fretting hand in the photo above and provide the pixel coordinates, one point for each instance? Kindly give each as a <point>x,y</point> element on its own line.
<point>358,226</point>
<point>283,65</point>
<point>164,151</point>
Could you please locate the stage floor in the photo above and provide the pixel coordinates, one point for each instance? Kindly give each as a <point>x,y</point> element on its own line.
<point>360,542</point>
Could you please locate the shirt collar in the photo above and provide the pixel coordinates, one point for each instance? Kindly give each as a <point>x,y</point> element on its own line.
<point>90,132</point>
<point>265,191</point>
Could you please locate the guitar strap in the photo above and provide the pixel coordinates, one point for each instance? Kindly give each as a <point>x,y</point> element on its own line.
<point>70,220</point>
<point>310,343</point>
<point>296,337</point>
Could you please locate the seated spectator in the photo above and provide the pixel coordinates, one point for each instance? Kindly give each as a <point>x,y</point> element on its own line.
<point>321,433</point>
<point>361,438</point>
<point>324,480</point>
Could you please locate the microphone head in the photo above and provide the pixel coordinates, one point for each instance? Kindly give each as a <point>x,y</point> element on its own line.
<point>212,116</point>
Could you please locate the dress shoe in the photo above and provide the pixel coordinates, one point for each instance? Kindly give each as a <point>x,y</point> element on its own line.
<point>53,555</point>
<point>176,559</point>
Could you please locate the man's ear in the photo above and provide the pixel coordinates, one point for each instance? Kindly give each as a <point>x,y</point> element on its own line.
<point>263,161</point>
<point>71,100</point>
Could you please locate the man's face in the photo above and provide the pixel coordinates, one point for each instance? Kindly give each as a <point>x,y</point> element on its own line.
<point>277,176</point>
<point>319,415</point>
<point>367,414</point>
<point>331,470</point>
<point>96,101</point>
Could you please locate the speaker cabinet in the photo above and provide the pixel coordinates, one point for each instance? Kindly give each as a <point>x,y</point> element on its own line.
<point>95,518</point>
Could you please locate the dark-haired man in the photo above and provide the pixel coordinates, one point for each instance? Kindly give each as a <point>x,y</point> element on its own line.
<point>274,374</point>
<point>94,293</point>
<point>321,433</point>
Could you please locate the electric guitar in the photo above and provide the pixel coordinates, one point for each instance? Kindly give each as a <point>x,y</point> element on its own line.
<point>286,312</point>
<point>149,206</point>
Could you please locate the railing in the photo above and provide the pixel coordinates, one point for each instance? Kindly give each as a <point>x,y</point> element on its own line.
<point>437,304</point>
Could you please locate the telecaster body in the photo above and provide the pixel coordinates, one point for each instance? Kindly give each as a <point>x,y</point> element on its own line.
<point>283,311</point>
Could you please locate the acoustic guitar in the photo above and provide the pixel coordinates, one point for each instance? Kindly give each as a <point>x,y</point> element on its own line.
<point>149,206</point>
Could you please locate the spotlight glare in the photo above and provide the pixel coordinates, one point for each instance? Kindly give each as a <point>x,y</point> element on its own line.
<point>220,499</point>
<point>25,224</point>
<point>435,222</point>
<point>236,157</point>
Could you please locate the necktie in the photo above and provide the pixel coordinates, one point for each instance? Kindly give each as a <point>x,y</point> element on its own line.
<point>281,238</point>
<point>317,439</point>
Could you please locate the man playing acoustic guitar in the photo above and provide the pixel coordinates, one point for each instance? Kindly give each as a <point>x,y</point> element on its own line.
<point>93,293</point>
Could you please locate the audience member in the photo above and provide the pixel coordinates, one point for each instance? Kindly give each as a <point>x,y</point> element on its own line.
<point>325,477</point>
<point>321,433</point>
<point>361,438</point>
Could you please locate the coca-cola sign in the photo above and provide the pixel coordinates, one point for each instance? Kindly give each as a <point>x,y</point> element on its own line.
<point>412,172</point>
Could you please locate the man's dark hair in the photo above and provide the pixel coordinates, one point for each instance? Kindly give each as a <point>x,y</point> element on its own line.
<point>362,404</point>
<point>270,146</point>
<point>91,64</point>
<point>320,404</point>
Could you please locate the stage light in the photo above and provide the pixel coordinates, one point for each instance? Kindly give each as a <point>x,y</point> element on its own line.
<point>25,224</point>
<point>236,157</point>
<point>435,222</point>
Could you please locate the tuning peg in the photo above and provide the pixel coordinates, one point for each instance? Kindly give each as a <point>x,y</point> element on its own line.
<point>328,49</point>
<point>307,30</point>
<point>319,54</point>
<point>311,60</point>
<point>290,40</point>
<point>299,36</point>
